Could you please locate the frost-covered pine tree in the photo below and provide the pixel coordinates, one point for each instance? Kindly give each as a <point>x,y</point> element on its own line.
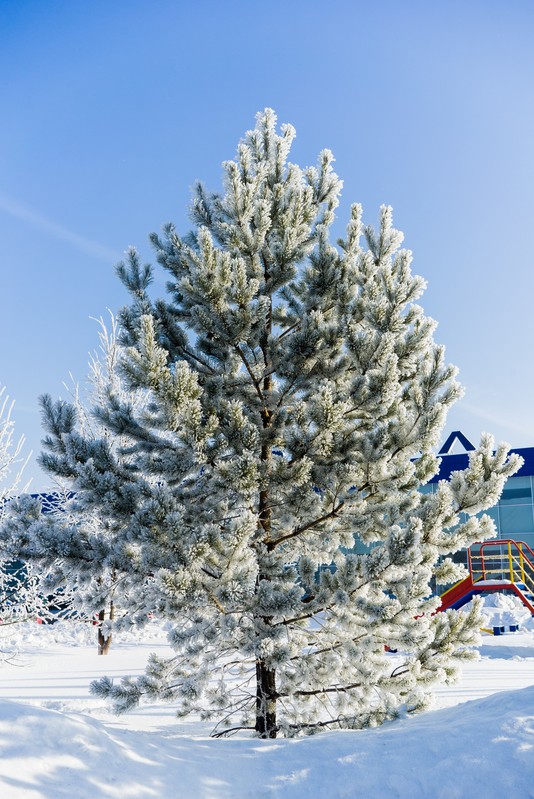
<point>270,501</point>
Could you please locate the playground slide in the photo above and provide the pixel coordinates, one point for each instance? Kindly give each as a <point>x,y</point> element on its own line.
<point>458,595</point>
<point>526,597</point>
<point>501,565</point>
<point>463,592</point>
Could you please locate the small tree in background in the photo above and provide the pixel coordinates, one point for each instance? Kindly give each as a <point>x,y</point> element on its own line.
<point>83,580</point>
<point>12,462</point>
<point>19,597</point>
<point>101,588</point>
<point>267,499</point>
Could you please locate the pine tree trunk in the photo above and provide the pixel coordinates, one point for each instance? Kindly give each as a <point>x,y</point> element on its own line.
<point>104,643</point>
<point>265,701</point>
<point>266,677</point>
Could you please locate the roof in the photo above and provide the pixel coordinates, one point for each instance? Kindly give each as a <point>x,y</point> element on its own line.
<point>457,462</point>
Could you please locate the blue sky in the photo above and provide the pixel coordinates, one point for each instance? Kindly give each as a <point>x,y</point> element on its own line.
<point>111,110</point>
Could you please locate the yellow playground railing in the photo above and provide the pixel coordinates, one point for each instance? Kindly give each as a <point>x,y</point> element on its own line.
<point>504,559</point>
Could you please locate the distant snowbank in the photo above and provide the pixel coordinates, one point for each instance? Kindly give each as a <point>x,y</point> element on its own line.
<point>73,632</point>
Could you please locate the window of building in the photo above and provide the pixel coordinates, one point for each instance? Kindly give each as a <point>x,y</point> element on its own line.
<point>516,519</point>
<point>517,491</point>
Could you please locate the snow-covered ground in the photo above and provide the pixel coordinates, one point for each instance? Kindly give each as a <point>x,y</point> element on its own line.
<point>58,742</point>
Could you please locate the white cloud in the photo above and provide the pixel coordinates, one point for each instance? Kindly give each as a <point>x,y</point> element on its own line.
<point>507,422</point>
<point>36,220</point>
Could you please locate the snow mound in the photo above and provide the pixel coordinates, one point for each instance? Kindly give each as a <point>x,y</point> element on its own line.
<point>507,609</point>
<point>484,747</point>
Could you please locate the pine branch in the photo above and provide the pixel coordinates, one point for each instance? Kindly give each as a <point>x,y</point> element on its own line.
<point>192,357</point>
<point>255,382</point>
<point>289,330</point>
<point>229,730</point>
<point>305,527</point>
<point>317,724</point>
<point>334,690</point>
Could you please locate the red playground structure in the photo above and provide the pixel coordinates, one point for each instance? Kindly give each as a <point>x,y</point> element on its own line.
<point>502,565</point>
